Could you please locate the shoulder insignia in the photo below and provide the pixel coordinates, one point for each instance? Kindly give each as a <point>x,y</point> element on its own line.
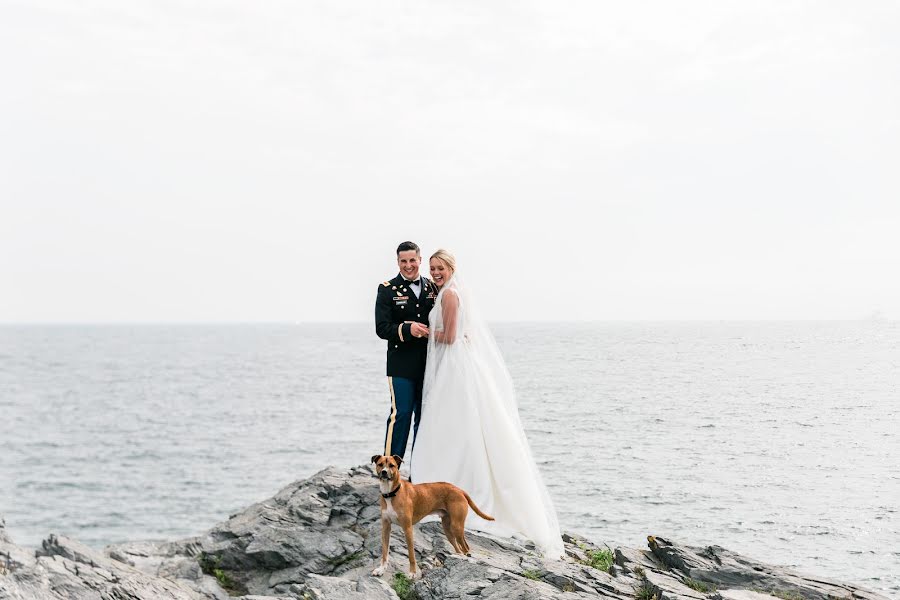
<point>386,283</point>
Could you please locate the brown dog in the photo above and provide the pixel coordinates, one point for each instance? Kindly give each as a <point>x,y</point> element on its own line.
<point>407,504</point>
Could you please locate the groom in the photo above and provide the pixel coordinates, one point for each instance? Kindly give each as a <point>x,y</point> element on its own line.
<point>401,318</point>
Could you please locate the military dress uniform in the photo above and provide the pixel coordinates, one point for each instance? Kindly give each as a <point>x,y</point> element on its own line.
<point>395,305</point>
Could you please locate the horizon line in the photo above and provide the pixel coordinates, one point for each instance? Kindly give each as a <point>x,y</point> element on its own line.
<point>367,322</point>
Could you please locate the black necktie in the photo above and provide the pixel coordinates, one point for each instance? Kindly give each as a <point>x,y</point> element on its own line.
<point>416,282</point>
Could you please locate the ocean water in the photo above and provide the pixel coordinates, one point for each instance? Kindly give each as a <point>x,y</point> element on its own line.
<point>776,439</point>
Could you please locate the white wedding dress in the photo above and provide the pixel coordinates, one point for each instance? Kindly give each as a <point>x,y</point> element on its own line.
<point>471,435</point>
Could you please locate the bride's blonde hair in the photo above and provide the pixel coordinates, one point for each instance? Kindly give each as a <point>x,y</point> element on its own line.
<point>448,259</point>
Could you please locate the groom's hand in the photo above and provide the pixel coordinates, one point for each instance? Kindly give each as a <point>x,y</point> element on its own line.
<point>418,330</point>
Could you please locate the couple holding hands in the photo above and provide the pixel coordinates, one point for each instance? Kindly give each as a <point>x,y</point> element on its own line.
<point>449,382</point>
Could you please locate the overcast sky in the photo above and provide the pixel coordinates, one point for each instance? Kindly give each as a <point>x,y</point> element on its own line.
<point>166,161</point>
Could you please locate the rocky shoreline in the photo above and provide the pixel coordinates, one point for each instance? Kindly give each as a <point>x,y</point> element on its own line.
<point>320,538</point>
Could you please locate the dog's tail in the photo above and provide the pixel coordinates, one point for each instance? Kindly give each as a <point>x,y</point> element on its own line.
<point>476,509</point>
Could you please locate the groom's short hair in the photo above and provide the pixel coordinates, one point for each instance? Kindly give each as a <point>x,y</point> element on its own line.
<point>405,246</point>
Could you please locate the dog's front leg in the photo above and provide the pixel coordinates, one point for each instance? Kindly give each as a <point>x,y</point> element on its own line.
<point>385,546</point>
<point>410,549</point>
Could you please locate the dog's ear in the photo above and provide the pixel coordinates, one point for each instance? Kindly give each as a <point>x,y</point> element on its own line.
<point>397,459</point>
<point>375,458</point>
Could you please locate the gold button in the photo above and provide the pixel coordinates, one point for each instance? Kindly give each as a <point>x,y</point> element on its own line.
<point>396,346</point>
<point>418,315</point>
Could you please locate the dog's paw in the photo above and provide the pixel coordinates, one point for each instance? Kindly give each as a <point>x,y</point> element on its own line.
<point>379,571</point>
<point>414,574</point>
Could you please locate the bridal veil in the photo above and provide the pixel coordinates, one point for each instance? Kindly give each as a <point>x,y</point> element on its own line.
<point>471,434</point>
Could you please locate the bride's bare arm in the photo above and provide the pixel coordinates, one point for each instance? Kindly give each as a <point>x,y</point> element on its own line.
<point>450,308</point>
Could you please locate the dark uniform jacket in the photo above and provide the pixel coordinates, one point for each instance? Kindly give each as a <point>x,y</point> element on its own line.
<point>395,305</point>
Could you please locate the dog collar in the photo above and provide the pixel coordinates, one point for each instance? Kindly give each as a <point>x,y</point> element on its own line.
<point>392,493</point>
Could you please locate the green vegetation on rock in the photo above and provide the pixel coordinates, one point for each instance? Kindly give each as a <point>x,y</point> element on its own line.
<point>209,564</point>
<point>404,587</point>
<point>599,559</point>
<point>781,594</point>
<point>698,585</point>
<point>645,592</point>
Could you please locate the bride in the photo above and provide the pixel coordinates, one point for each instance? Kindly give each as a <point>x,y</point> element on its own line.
<point>470,433</point>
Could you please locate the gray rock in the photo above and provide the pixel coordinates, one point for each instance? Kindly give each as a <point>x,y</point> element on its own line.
<point>64,569</point>
<point>12,557</point>
<point>321,586</point>
<point>320,539</point>
<point>728,570</point>
<point>737,594</point>
<point>175,561</point>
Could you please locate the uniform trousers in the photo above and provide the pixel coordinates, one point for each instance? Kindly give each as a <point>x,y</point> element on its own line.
<point>406,406</point>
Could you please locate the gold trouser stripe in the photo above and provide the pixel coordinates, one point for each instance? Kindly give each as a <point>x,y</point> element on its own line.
<point>390,431</point>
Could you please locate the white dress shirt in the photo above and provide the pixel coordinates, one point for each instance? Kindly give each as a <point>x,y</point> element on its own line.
<point>415,287</point>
